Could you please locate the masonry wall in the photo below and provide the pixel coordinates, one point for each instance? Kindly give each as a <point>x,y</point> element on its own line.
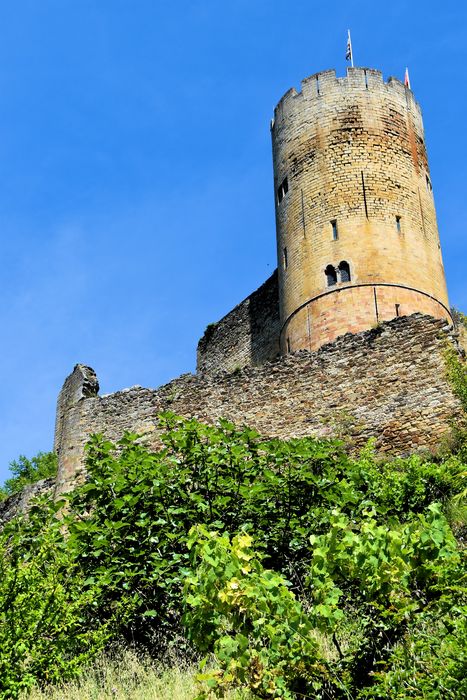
<point>387,383</point>
<point>19,502</point>
<point>247,335</point>
<point>353,151</point>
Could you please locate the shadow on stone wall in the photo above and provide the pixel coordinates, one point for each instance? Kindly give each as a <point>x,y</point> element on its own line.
<point>247,336</point>
<point>263,313</point>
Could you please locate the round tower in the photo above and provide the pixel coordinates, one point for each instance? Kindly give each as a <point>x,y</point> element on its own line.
<point>357,238</point>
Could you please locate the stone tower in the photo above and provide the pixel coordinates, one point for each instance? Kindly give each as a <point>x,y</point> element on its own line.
<point>357,238</point>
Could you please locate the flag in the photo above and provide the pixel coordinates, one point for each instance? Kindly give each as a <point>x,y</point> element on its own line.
<point>348,53</point>
<point>407,79</point>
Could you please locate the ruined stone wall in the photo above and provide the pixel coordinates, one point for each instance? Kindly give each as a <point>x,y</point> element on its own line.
<point>80,384</point>
<point>352,151</point>
<point>388,382</point>
<point>247,335</point>
<point>20,502</point>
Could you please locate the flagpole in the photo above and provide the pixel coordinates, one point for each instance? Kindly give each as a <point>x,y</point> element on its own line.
<point>349,52</point>
<point>407,79</point>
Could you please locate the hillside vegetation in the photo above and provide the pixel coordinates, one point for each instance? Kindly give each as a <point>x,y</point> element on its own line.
<point>26,471</point>
<point>285,569</point>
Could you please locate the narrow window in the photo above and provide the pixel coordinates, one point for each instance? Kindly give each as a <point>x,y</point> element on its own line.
<point>288,344</point>
<point>366,79</point>
<point>398,224</point>
<point>331,276</point>
<point>364,194</point>
<point>428,184</point>
<point>282,190</point>
<point>344,271</point>
<point>398,309</point>
<point>286,262</point>
<point>335,232</point>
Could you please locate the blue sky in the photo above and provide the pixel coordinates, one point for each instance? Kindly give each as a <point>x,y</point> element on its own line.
<point>136,199</point>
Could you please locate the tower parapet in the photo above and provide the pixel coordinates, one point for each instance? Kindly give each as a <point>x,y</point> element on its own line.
<point>357,238</point>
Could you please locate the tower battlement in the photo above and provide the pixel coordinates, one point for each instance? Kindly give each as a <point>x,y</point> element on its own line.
<point>325,84</point>
<point>357,238</point>
<point>357,247</point>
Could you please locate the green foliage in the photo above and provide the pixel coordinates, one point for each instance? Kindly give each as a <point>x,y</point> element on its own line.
<point>27,471</point>
<point>430,661</point>
<point>457,374</point>
<point>45,631</point>
<point>456,370</point>
<point>390,572</point>
<point>141,506</point>
<point>356,567</point>
<point>250,619</point>
<point>402,579</point>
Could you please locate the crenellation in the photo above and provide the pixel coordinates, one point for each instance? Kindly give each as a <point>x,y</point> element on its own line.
<point>327,84</point>
<point>356,156</point>
<point>355,320</point>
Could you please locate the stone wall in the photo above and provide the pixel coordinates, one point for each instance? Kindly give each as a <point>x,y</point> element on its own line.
<point>352,152</point>
<point>19,502</point>
<point>247,335</point>
<point>388,383</point>
<point>80,384</point>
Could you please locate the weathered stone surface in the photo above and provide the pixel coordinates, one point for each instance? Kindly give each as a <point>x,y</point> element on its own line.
<point>19,502</point>
<point>248,335</point>
<point>352,151</point>
<point>80,384</point>
<point>388,383</point>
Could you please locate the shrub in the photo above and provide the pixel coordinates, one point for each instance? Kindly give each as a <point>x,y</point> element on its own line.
<point>45,633</point>
<point>355,564</point>
<point>250,619</point>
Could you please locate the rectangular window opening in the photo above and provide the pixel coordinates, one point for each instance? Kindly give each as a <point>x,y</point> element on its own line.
<point>364,194</point>
<point>335,232</point>
<point>317,85</point>
<point>282,190</point>
<point>398,310</point>
<point>286,261</point>
<point>366,79</point>
<point>288,344</point>
<point>398,224</point>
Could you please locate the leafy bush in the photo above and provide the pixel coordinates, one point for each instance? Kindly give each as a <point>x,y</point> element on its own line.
<point>141,506</point>
<point>400,579</point>
<point>45,633</point>
<point>355,565</point>
<point>390,572</point>
<point>250,619</point>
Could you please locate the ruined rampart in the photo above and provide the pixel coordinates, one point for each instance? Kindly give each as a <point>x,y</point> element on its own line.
<point>388,383</point>
<point>247,335</point>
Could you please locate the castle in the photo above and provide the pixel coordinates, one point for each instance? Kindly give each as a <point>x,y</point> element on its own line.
<point>357,239</point>
<point>350,330</point>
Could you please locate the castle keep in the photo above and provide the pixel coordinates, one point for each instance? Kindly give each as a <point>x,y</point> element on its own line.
<point>350,331</point>
<point>357,239</point>
<point>356,226</point>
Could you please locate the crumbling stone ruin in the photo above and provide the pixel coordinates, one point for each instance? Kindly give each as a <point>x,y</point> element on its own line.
<point>349,333</point>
